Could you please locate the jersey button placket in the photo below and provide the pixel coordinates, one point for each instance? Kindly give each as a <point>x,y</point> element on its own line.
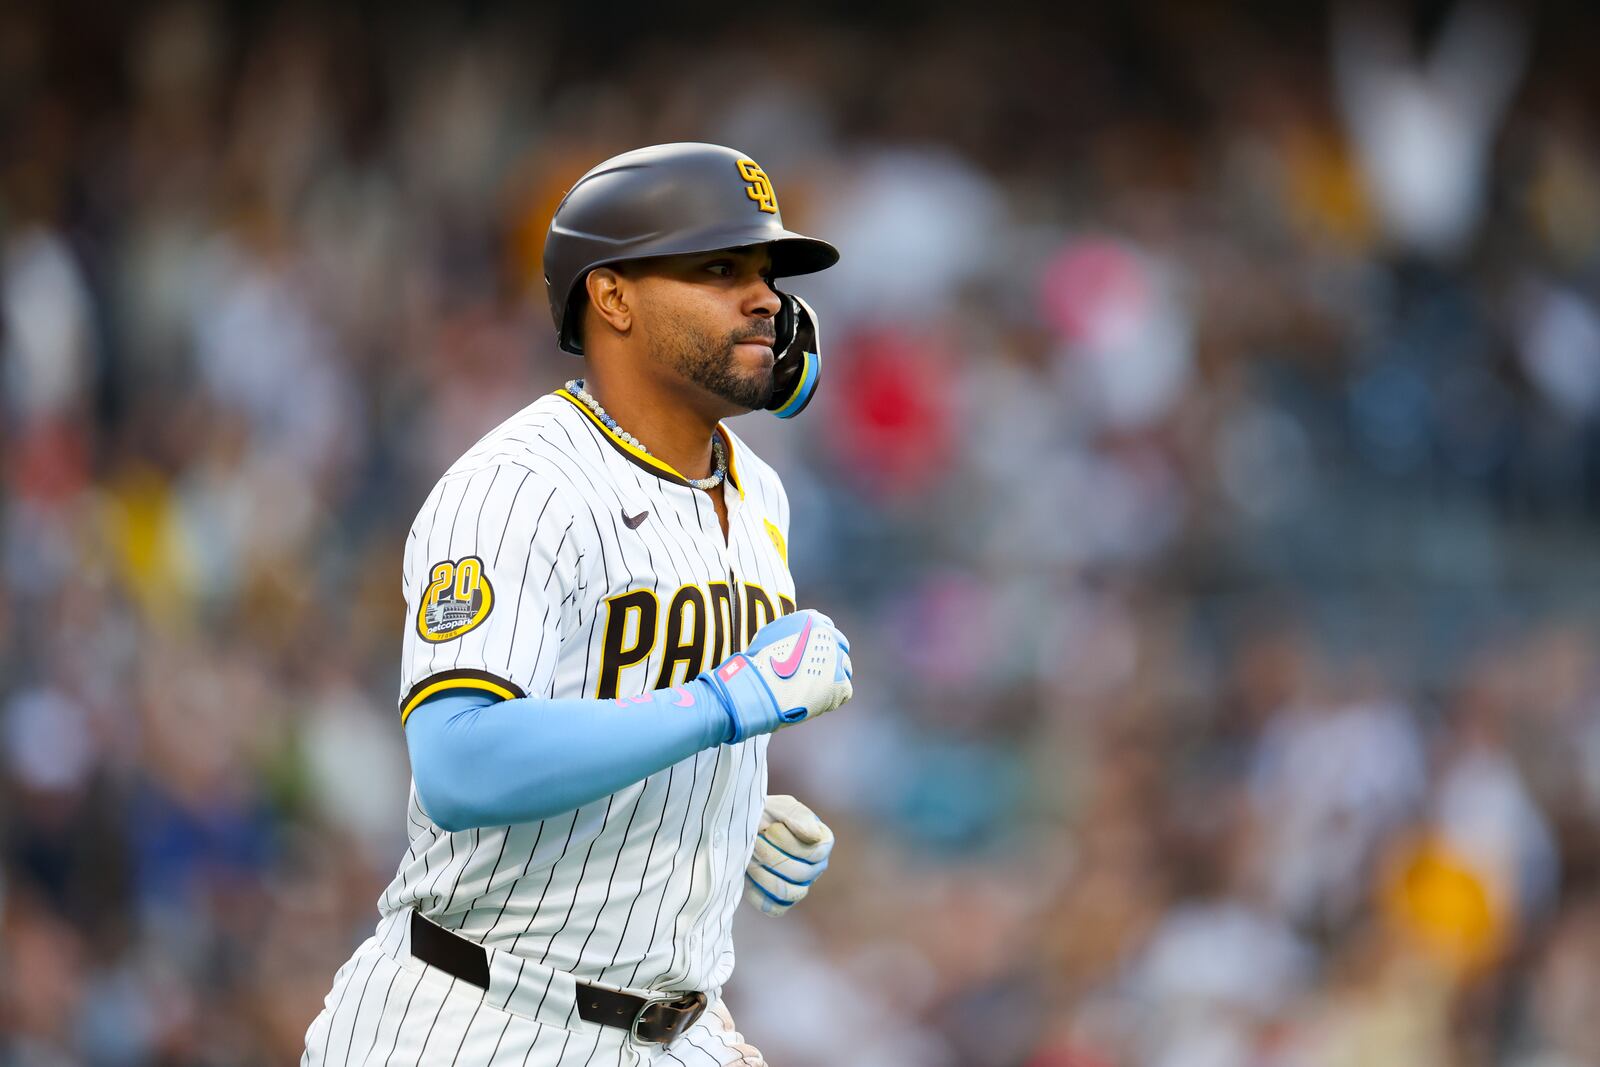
<point>730,500</point>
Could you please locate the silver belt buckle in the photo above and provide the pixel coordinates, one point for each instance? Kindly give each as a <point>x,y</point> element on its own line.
<point>687,1016</point>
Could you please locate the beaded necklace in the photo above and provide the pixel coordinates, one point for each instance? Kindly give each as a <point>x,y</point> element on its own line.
<point>719,453</point>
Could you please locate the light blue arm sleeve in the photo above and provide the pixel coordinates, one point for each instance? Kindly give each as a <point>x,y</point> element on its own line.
<point>477,761</point>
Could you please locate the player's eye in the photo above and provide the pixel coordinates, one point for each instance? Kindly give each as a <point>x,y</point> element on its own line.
<point>721,268</point>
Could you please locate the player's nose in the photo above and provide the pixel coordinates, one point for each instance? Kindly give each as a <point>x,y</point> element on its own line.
<point>762,300</point>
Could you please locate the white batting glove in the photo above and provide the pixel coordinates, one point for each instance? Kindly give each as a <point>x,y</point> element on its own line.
<point>795,668</point>
<point>791,852</point>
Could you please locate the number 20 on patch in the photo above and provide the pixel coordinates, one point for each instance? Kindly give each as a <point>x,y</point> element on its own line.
<point>458,598</point>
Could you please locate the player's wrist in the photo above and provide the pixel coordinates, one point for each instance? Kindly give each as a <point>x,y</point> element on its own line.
<point>716,698</point>
<point>751,707</point>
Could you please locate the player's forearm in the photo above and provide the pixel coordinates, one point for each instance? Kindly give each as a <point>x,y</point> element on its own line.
<point>481,762</point>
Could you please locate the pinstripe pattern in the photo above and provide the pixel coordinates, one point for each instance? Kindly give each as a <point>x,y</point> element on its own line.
<point>637,889</point>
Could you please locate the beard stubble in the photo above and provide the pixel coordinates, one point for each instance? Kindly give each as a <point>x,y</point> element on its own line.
<point>707,360</point>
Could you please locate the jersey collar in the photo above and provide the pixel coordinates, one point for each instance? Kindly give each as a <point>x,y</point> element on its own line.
<point>660,469</point>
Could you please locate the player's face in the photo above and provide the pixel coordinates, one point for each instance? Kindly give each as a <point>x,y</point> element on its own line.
<point>709,318</point>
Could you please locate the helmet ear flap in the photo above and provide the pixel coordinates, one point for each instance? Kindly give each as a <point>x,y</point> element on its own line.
<point>799,362</point>
<point>783,324</point>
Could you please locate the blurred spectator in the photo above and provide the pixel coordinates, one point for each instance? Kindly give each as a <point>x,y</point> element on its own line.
<point>1424,125</point>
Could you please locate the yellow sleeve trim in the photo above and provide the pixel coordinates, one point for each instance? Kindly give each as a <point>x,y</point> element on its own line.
<point>427,688</point>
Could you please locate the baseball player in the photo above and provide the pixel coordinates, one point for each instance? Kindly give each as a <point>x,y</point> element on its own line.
<point>601,635</point>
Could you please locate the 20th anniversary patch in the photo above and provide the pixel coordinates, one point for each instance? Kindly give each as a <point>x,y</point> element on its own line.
<point>457,600</point>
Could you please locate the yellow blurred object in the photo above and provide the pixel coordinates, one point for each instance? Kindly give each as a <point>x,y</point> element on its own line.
<point>1325,191</point>
<point>536,194</point>
<point>1436,901</point>
<point>140,528</point>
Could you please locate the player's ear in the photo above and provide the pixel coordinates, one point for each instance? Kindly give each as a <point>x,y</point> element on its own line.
<point>608,298</point>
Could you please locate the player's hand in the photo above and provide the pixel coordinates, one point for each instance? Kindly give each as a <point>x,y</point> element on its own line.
<point>791,852</point>
<point>795,668</point>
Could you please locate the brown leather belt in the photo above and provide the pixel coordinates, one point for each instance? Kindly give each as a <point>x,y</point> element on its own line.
<point>655,1021</point>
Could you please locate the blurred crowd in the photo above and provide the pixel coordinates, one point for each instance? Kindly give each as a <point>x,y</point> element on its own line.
<point>1213,391</point>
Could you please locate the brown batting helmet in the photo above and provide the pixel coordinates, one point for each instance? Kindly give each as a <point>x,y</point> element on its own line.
<point>668,199</point>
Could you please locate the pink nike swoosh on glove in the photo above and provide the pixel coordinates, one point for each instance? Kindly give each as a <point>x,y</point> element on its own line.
<point>787,667</point>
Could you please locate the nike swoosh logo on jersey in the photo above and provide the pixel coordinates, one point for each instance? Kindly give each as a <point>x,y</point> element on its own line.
<point>786,667</point>
<point>632,521</point>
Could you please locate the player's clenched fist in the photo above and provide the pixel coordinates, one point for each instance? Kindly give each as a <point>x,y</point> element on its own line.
<point>791,852</point>
<point>795,668</point>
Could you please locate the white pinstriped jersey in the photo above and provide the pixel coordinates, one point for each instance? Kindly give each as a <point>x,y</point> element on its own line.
<point>553,560</point>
